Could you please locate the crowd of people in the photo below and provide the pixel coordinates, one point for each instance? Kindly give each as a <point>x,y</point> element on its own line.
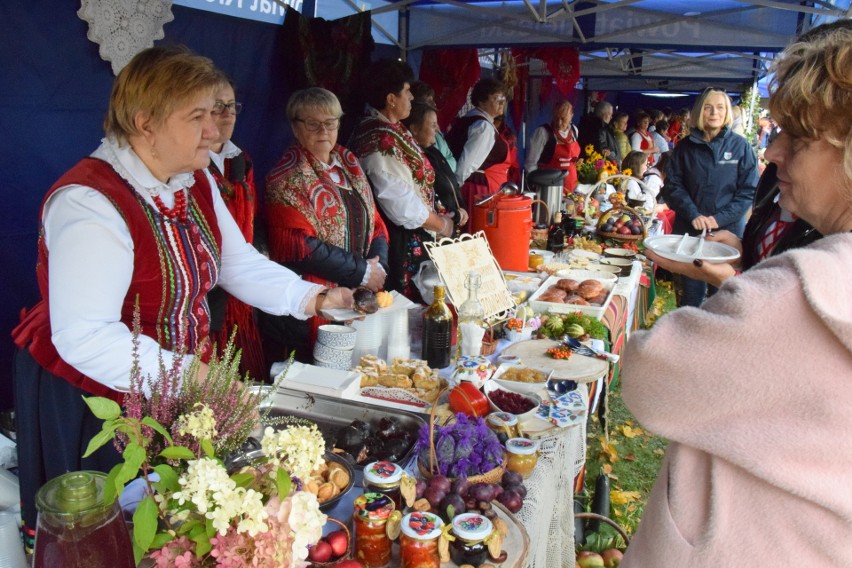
<point>162,221</point>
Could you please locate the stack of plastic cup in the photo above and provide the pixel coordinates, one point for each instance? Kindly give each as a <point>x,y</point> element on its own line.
<point>368,340</point>
<point>11,546</point>
<point>396,340</point>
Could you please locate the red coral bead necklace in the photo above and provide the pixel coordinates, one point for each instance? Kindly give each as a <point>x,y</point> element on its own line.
<point>176,213</point>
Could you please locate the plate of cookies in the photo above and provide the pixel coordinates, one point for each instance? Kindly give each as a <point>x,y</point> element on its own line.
<point>403,381</point>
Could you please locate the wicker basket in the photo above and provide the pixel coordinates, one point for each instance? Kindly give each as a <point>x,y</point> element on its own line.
<point>608,521</point>
<point>348,555</point>
<point>489,342</point>
<point>619,236</point>
<point>491,476</point>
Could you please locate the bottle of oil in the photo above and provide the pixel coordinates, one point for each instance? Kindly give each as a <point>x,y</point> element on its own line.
<point>437,332</point>
<point>556,235</point>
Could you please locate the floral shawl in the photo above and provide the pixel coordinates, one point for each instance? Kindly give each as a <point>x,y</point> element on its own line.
<point>314,202</point>
<point>395,142</point>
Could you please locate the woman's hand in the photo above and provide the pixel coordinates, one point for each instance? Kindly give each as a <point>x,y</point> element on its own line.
<point>713,274</point>
<point>377,275</point>
<point>726,238</point>
<point>704,222</point>
<point>331,298</point>
<point>463,217</point>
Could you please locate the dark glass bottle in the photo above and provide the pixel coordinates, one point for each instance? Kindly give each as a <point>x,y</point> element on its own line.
<point>556,235</point>
<point>437,332</point>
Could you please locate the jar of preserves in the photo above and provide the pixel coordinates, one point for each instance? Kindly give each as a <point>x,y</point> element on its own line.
<point>504,424</point>
<point>469,547</point>
<point>372,544</point>
<point>522,455</point>
<point>419,540</point>
<point>384,477</point>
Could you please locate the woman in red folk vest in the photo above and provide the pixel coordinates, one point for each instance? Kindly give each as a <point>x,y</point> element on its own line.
<point>481,152</point>
<point>138,221</point>
<point>232,169</point>
<point>641,140</point>
<point>554,146</point>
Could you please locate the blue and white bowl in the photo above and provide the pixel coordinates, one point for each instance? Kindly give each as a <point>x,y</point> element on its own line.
<point>337,336</point>
<point>325,356</point>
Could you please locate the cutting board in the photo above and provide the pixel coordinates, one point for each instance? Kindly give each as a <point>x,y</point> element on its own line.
<point>580,368</point>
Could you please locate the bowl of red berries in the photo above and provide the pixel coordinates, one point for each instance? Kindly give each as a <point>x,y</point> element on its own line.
<point>502,399</point>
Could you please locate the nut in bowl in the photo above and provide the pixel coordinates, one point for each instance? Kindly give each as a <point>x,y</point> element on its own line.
<point>522,405</point>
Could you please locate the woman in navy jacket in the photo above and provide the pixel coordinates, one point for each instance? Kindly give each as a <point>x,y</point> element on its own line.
<point>711,180</point>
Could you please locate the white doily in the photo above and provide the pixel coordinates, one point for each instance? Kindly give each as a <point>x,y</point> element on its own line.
<point>123,28</point>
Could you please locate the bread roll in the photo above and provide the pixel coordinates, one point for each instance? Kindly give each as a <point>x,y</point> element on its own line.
<point>567,284</point>
<point>576,300</point>
<point>588,289</point>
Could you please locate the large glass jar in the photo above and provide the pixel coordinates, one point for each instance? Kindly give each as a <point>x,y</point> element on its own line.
<point>384,477</point>
<point>419,540</point>
<point>470,531</point>
<point>522,455</point>
<point>372,545</point>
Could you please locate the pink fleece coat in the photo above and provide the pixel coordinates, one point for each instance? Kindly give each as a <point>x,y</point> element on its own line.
<point>754,392</point>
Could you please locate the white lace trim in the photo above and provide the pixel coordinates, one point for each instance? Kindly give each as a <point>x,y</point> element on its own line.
<point>123,28</point>
<point>130,167</point>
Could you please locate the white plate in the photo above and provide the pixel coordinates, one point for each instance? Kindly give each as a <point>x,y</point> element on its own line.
<point>580,253</point>
<point>619,252</point>
<point>712,252</point>
<point>342,314</point>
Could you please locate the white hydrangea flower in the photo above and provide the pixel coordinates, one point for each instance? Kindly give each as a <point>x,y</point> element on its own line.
<point>200,424</point>
<point>306,522</point>
<point>298,449</point>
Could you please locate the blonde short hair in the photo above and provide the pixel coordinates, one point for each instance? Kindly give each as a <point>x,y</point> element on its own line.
<point>696,117</point>
<point>313,97</point>
<point>811,92</point>
<point>156,82</point>
<point>561,107</point>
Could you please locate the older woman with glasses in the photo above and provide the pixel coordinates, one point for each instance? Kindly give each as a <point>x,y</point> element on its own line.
<point>321,217</point>
<point>139,226</point>
<point>711,180</point>
<point>752,390</point>
<point>233,172</point>
<point>482,153</point>
<point>401,175</point>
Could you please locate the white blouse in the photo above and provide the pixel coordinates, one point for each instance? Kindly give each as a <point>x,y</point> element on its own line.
<point>480,140</point>
<point>91,264</point>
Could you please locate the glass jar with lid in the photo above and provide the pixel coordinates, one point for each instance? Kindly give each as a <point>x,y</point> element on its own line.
<point>372,544</point>
<point>522,455</point>
<point>504,424</point>
<point>419,540</point>
<point>469,547</point>
<point>384,477</point>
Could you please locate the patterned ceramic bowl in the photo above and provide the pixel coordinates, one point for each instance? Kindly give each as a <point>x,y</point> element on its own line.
<point>325,356</point>
<point>337,336</point>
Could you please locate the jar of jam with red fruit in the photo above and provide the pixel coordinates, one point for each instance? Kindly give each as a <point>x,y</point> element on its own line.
<point>372,544</point>
<point>469,547</point>
<point>418,541</point>
<point>384,477</point>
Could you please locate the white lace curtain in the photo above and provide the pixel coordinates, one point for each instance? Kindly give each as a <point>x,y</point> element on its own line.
<point>123,28</point>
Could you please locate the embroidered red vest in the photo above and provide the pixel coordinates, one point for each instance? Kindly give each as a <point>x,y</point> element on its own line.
<point>174,267</point>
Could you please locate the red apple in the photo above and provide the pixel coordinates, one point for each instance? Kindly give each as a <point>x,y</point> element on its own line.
<point>338,542</point>
<point>349,564</point>
<point>321,552</point>
<point>612,557</point>
<point>588,559</point>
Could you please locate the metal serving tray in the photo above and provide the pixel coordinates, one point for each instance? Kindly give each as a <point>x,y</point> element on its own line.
<point>332,414</point>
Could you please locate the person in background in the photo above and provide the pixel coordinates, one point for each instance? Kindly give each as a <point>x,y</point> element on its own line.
<point>637,163</point>
<point>660,134</point>
<point>711,181</point>
<point>482,153</point>
<point>424,93</point>
<point>513,174</point>
<point>138,226</point>
<point>555,146</point>
<point>737,125</point>
<point>655,178</point>
<point>232,169</point>
<point>595,131</point>
<point>619,132</point>
<point>423,124</point>
<point>322,219</point>
<point>642,140</point>
<point>753,445</point>
<point>401,175</point>
<point>679,127</point>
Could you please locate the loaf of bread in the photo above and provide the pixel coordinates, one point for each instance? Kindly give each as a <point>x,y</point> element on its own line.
<point>588,289</point>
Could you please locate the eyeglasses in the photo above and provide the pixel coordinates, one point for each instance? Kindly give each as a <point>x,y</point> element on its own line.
<point>499,99</point>
<point>220,107</point>
<point>314,125</point>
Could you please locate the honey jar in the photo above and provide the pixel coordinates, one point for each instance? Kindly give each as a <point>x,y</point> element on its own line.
<point>504,424</point>
<point>522,455</point>
<point>535,261</point>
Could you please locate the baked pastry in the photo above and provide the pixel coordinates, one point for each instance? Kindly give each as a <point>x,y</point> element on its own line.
<point>374,362</point>
<point>369,376</point>
<point>576,300</point>
<point>397,381</point>
<point>567,284</point>
<point>589,289</point>
<point>599,299</point>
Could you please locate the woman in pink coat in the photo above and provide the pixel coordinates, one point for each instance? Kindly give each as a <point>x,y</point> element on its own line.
<point>754,389</point>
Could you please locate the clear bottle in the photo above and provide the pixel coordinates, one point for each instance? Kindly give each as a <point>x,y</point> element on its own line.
<point>437,332</point>
<point>471,318</point>
<point>556,235</point>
